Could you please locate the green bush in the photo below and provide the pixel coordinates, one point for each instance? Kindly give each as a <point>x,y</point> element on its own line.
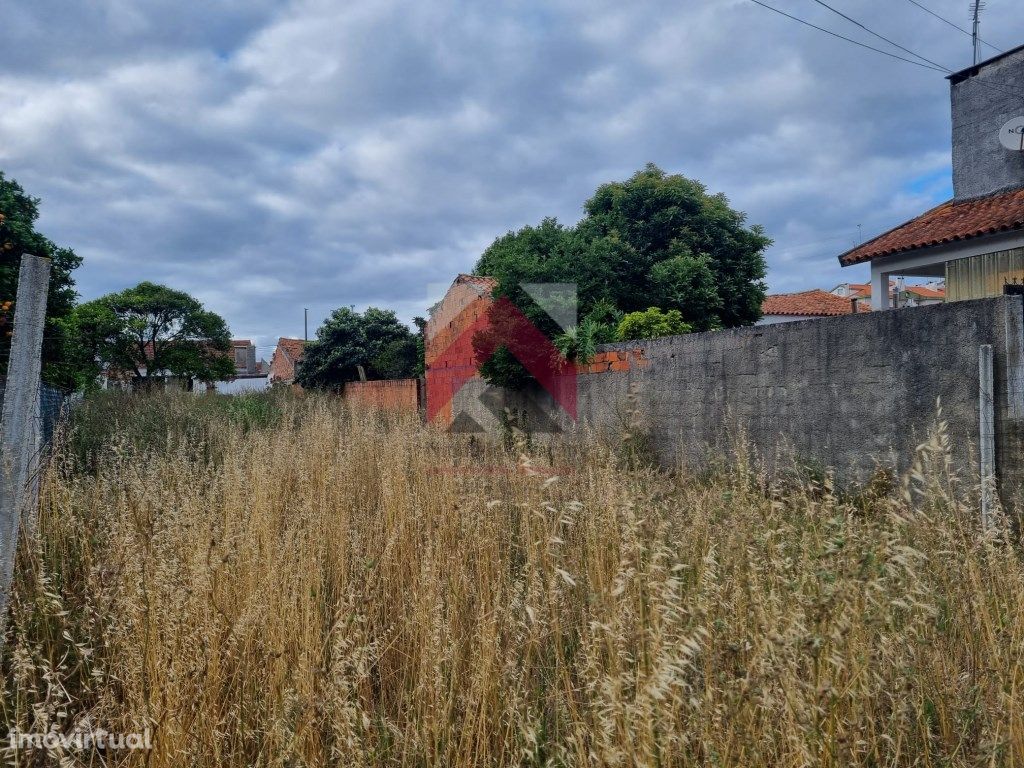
<point>579,343</point>
<point>652,324</point>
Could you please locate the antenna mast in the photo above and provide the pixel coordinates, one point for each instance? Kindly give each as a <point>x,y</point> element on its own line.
<point>976,8</point>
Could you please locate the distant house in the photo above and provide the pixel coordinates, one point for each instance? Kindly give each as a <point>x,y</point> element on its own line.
<point>250,373</point>
<point>287,356</point>
<point>974,242</point>
<point>243,352</point>
<point>899,295</point>
<point>861,292</point>
<point>113,377</point>
<point>806,305</point>
<point>922,295</point>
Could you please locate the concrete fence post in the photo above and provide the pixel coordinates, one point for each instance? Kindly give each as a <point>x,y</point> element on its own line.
<point>19,425</point>
<point>987,432</point>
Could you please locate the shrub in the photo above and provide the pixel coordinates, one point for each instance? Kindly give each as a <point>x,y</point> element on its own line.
<point>652,323</point>
<point>579,343</point>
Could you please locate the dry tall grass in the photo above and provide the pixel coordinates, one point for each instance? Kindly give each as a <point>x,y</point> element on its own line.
<point>344,589</point>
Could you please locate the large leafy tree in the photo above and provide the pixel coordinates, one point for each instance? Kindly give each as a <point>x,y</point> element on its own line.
<point>151,330</point>
<point>654,240</point>
<point>375,340</point>
<point>18,214</point>
<point>655,217</point>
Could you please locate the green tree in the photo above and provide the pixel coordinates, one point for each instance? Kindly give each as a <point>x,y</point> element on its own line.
<point>18,214</point>
<point>652,323</point>
<point>421,346</point>
<point>688,283</point>
<point>375,340</point>
<point>150,330</point>
<point>659,217</point>
<point>531,255</point>
<point>655,239</point>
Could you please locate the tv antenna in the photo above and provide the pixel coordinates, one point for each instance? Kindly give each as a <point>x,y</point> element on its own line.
<point>976,8</point>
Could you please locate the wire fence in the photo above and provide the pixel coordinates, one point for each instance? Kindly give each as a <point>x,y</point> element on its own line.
<point>54,406</point>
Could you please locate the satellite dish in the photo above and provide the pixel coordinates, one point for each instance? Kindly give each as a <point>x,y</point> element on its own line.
<point>1011,135</point>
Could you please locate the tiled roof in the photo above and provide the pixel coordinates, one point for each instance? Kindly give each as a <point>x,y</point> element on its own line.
<point>286,355</point>
<point>925,292</point>
<point>950,222</point>
<point>240,342</point>
<point>863,289</point>
<point>816,303</point>
<point>292,347</point>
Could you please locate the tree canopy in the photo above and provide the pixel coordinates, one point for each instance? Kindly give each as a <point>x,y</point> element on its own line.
<point>18,214</point>
<point>150,330</point>
<point>375,339</point>
<point>653,240</point>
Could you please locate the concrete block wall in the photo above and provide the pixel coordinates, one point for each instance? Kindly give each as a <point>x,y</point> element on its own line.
<point>846,392</point>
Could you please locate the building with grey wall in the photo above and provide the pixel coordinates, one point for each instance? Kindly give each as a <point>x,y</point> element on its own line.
<point>975,241</point>
<point>984,99</point>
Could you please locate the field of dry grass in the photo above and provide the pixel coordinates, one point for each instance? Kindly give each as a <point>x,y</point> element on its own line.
<point>291,584</point>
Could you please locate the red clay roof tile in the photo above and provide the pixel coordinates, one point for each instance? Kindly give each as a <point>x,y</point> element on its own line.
<point>949,222</point>
<point>816,303</point>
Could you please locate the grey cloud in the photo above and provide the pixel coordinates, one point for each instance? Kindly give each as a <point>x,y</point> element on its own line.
<point>271,157</point>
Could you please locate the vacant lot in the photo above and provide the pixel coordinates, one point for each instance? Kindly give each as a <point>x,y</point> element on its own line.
<point>265,581</point>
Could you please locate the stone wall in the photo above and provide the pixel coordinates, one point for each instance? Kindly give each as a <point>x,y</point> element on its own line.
<point>847,392</point>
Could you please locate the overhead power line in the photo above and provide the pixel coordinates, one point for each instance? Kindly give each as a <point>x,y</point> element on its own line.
<point>937,68</point>
<point>881,37</point>
<point>923,62</point>
<point>954,26</point>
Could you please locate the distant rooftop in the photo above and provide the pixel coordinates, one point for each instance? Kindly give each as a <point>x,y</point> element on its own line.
<point>814,303</point>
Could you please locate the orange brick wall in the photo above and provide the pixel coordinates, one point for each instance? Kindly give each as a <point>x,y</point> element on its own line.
<point>462,306</point>
<point>390,395</point>
<point>604,362</point>
<point>451,360</point>
<point>449,353</point>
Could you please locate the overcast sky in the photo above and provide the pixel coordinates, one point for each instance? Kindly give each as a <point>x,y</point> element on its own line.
<point>270,156</point>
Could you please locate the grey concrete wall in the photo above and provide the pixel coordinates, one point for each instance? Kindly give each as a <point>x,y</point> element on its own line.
<point>846,392</point>
<point>982,103</point>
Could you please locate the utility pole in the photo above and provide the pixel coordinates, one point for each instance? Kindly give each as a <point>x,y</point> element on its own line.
<point>20,422</point>
<point>305,324</point>
<point>976,8</point>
